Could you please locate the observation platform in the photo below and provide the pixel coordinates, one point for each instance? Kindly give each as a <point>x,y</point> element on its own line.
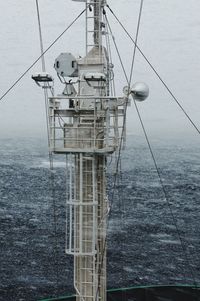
<point>90,125</point>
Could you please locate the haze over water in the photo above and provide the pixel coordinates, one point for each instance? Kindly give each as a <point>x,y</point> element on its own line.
<point>169,37</point>
<point>142,235</point>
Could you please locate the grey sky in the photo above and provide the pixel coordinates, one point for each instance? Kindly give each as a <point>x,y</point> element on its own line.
<point>169,36</point>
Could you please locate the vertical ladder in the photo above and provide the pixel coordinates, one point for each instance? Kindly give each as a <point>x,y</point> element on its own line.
<point>93,24</point>
<point>86,225</point>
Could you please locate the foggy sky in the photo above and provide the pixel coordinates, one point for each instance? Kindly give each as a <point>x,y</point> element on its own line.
<point>169,36</point>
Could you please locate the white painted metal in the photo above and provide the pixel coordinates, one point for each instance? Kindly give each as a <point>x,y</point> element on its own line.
<point>94,23</point>
<point>86,126</point>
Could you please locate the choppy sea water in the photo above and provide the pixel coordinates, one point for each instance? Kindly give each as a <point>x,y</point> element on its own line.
<point>143,244</point>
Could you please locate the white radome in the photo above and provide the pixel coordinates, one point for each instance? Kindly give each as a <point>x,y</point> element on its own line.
<point>140,91</point>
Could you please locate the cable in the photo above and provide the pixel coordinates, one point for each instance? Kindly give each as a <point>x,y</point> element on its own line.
<point>162,185</point>
<point>118,53</point>
<point>111,78</point>
<point>40,36</point>
<point>130,79</point>
<point>157,74</point>
<point>125,109</point>
<point>47,49</point>
<point>165,195</point>
<point>52,188</point>
<point>45,85</point>
<point>135,48</point>
<point>115,176</point>
<point>123,127</point>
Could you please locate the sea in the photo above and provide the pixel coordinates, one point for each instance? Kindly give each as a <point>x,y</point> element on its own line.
<point>153,229</point>
<point>153,238</point>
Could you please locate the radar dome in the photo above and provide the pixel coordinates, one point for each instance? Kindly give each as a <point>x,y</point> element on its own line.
<point>140,91</point>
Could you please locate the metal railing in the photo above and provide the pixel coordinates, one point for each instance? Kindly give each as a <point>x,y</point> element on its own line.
<point>75,128</point>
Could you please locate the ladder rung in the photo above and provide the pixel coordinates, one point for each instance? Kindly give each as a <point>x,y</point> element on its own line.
<point>97,2</point>
<point>93,17</point>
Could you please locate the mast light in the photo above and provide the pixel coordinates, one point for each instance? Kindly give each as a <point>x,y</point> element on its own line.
<point>95,76</point>
<point>43,79</point>
<point>66,65</point>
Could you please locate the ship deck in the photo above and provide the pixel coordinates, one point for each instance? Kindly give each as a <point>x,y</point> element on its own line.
<point>147,293</point>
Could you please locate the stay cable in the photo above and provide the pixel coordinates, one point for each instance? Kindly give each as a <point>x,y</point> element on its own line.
<point>33,64</point>
<point>156,72</point>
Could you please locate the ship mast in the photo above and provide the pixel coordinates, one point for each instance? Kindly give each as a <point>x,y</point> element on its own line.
<point>86,125</point>
<point>89,134</point>
<point>94,23</point>
<point>90,228</point>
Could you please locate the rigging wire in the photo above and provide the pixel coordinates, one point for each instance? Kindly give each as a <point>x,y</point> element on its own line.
<point>46,50</point>
<point>125,110</point>
<point>123,127</point>
<point>40,36</point>
<point>128,81</point>
<point>156,72</point>
<point>126,104</point>
<point>135,48</point>
<point>52,182</point>
<point>112,79</point>
<point>184,250</point>
<point>45,86</point>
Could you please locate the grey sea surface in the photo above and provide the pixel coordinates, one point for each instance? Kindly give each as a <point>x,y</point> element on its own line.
<point>144,246</point>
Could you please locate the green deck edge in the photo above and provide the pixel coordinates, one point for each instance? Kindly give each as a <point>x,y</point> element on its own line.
<point>129,288</point>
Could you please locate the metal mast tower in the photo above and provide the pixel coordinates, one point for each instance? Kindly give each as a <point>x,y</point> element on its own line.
<point>87,204</point>
<point>85,124</point>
